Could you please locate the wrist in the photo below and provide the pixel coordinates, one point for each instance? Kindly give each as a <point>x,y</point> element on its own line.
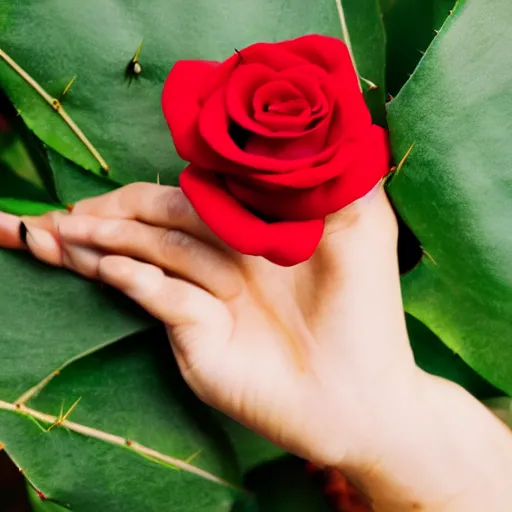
<point>440,451</point>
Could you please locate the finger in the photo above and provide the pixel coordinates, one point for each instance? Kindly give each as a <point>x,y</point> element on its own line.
<point>43,245</point>
<point>158,205</point>
<point>10,227</point>
<point>173,301</point>
<point>174,251</point>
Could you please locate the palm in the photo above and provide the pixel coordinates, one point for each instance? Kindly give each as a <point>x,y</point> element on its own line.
<point>287,341</point>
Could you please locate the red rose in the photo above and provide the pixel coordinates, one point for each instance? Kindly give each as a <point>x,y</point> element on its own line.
<point>278,136</point>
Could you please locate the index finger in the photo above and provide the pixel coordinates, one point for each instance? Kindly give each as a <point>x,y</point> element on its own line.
<point>157,205</point>
<point>10,227</point>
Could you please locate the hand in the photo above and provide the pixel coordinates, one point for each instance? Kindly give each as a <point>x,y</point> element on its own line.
<point>315,357</point>
<point>270,346</point>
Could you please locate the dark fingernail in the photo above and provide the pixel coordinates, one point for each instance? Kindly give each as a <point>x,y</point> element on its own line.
<point>23,233</point>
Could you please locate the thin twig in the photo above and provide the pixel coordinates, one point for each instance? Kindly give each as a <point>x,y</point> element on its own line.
<point>115,440</point>
<point>57,106</point>
<point>346,36</point>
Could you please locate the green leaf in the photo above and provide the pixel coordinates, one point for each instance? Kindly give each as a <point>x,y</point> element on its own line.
<point>74,183</point>
<point>251,449</point>
<point>39,505</point>
<point>123,119</point>
<point>49,317</point>
<point>455,189</point>
<point>18,206</point>
<point>24,155</point>
<point>433,356</point>
<point>131,390</point>
<point>410,28</point>
<point>367,39</point>
<point>13,185</point>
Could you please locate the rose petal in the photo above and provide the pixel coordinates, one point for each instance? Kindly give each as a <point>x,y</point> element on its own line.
<point>244,100</point>
<point>283,243</point>
<point>353,180</point>
<point>305,89</point>
<point>312,144</point>
<point>332,55</point>
<point>214,128</point>
<point>181,106</point>
<point>273,55</point>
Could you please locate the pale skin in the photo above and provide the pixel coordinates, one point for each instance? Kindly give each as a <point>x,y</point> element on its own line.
<point>315,357</point>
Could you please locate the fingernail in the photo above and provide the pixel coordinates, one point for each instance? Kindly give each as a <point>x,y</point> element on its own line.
<point>23,233</point>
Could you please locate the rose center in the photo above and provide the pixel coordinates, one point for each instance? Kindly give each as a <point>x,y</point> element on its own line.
<point>291,107</point>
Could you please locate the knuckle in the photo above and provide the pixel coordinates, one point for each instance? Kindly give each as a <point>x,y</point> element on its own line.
<point>175,203</point>
<point>110,232</point>
<point>173,239</point>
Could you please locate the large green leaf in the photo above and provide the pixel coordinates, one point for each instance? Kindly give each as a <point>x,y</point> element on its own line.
<point>49,316</point>
<point>73,183</point>
<point>251,450</point>
<point>123,119</point>
<point>455,190</point>
<point>23,154</point>
<point>410,27</point>
<point>132,390</point>
<point>367,39</point>
<point>433,356</point>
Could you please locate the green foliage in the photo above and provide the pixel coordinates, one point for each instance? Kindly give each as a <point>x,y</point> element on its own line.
<point>132,390</point>
<point>454,190</point>
<point>410,27</point>
<point>123,118</point>
<point>124,391</point>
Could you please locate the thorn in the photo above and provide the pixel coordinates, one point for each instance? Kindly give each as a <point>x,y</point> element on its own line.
<point>133,69</point>
<point>239,53</point>
<point>390,98</point>
<point>436,32</point>
<point>421,52</point>
<point>429,256</point>
<point>137,53</point>
<point>193,456</point>
<point>404,159</point>
<point>66,89</point>
<point>69,207</point>
<point>158,179</point>
<point>370,84</point>
<point>128,442</point>
<point>2,447</point>
<point>39,493</point>
<point>63,417</point>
